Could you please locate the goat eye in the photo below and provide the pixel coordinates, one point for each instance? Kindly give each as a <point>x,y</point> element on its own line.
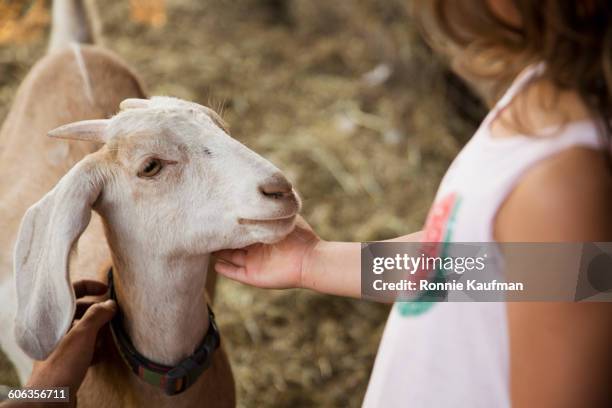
<point>150,168</point>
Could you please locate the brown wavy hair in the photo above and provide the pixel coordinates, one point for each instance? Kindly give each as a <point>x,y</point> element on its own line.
<point>573,38</point>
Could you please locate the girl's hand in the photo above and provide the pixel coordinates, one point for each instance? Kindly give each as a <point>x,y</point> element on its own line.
<point>67,365</point>
<point>301,260</point>
<point>275,266</point>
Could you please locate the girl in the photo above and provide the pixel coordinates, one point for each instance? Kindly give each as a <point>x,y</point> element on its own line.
<point>537,170</point>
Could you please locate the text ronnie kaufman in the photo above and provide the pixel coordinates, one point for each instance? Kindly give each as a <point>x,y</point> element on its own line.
<point>424,284</point>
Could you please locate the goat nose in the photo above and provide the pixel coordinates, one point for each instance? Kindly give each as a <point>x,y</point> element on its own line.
<point>276,187</point>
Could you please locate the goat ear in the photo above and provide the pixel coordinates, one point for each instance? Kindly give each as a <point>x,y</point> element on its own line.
<point>215,117</point>
<point>134,103</point>
<point>49,229</point>
<point>87,130</point>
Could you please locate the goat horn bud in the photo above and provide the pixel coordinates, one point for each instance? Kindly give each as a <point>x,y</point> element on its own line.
<point>134,103</point>
<point>87,130</point>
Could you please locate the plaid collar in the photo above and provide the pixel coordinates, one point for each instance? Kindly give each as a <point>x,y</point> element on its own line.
<point>171,380</point>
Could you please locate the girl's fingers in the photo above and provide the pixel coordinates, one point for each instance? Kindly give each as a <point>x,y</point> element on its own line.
<point>81,308</point>
<point>234,256</point>
<point>74,323</point>
<point>87,287</point>
<point>97,315</point>
<point>231,271</point>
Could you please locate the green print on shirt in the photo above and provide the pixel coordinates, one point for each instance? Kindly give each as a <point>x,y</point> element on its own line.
<point>419,306</point>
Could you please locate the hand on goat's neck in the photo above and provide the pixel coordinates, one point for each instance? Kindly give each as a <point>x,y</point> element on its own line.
<point>163,301</point>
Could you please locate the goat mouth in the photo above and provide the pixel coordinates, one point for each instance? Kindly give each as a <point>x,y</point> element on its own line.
<point>277,220</point>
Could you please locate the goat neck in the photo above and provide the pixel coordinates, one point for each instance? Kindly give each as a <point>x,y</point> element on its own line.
<point>163,300</point>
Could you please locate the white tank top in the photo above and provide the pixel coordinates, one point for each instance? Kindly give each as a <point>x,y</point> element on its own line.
<point>457,354</point>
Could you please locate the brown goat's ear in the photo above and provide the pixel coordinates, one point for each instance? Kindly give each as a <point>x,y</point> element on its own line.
<point>49,229</point>
<point>87,130</point>
<point>134,103</point>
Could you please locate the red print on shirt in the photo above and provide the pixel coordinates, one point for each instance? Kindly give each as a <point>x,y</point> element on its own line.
<point>437,219</point>
<point>437,230</point>
<point>437,224</point>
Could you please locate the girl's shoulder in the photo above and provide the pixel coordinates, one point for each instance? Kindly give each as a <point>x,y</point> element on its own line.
<point>566,197</point>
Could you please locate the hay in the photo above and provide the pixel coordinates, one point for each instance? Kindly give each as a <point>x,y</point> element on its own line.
<point>22,21</point>
<point>152,12</point>
<point>342,96</point>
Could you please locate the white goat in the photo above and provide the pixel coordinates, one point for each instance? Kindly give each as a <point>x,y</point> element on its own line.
<point>169,187</point>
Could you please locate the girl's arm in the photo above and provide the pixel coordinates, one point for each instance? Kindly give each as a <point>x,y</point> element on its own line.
<point>301,260</point>
<point>335,267</point>
<point>560,352</point>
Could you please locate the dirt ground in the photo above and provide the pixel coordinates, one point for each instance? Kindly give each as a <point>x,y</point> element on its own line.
<point>343,97</point>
